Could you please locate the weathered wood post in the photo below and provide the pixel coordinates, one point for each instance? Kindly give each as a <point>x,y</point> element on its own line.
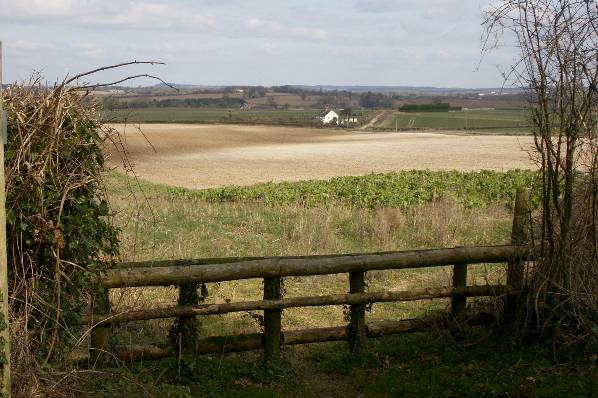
<point>459,303</point>
<point>519,236</point>
<point>5,389</point>
<point>100,335</point>
<point>272,319</point>
<point>186,330</point>
<point>357,328</point>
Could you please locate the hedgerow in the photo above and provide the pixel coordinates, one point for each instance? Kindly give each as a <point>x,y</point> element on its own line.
<point>59,232</point>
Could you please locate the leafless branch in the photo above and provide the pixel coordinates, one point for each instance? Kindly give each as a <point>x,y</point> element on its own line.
<point>104,68</point>
<point>94,86</point>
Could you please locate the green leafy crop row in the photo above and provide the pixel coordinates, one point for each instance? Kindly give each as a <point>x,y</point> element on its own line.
<point>396,189</point>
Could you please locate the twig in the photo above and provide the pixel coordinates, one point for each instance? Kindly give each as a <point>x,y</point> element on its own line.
<point>103,68</point>
<point>92,86</point>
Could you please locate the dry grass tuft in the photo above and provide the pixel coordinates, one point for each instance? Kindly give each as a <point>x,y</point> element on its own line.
<point>387,222</point>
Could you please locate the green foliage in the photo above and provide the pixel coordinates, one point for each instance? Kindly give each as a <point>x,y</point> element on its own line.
<point>59,232</point>
<point>401,189</point>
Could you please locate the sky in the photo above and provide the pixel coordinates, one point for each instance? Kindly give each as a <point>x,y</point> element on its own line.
<point>254,42</point>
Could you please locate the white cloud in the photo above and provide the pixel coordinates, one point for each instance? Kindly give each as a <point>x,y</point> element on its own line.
<point>245,42</point>
<point>432,7</point>
<point>89,50</point>
<point>272,28</point>
<point>134,14</point>
<point>27,45</point>
<point>151,15</point>
<point>269,48</point>
<point>34,9</point>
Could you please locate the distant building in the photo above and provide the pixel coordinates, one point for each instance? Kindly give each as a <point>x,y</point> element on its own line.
<point>328,117</point>
<point>352,118</point>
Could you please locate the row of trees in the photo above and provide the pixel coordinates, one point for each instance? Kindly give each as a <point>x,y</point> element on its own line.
<point>222,102</point>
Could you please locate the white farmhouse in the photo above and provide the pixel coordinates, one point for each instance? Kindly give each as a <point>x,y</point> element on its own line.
<point>328,117</point>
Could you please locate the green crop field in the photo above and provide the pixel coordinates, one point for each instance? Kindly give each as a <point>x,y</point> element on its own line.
<point>499,120</point>
<point>212,115</point>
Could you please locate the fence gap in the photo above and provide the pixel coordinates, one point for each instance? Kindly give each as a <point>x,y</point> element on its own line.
<point>272,319</point>
<point>357,328</point>
<point>100,335</point>
<point>459,303</point>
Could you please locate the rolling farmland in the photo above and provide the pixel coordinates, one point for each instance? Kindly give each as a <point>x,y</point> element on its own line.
<point>501,121</point>
<point>213,115</point>
<point>491,120</point>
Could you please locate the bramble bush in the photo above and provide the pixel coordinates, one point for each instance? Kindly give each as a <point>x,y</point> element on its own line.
<point>59,231</point>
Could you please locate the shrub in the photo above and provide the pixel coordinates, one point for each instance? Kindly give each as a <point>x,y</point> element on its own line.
<point>59,232</point>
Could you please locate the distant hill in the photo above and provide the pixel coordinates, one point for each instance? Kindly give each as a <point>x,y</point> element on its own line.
<point>363,89</point>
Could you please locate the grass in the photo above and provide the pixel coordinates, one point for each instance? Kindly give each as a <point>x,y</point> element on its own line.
<point>213,115</point>
<point>420,365</point>
<point>185,224</point>
<point>264,220</point>
<point>495,121</point>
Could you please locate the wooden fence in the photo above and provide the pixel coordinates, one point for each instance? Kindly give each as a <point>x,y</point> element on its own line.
<point>188,274</point>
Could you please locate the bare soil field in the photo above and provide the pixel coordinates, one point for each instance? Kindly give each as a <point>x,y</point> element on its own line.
<point>205,156</point>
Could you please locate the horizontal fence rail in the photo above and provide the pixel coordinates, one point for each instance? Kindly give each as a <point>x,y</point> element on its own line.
<point>294,302</point>
<point>255,341</point>
<point>309,266</point>
<point>188,275</point>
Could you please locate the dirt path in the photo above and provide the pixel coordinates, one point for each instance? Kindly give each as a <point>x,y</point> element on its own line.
<point>202,156</point>
<point>374,120</point>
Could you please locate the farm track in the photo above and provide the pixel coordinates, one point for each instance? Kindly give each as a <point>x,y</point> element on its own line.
<point>380,116</point>
<point>205,156</point>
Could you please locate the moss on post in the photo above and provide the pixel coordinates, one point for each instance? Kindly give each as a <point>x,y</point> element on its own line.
<point>100,335</point>
<point>185,331</point>
<point>357,327</point>
<point>272,320</point>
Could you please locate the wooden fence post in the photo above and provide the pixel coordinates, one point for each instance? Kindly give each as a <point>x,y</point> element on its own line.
<point>459,303</point>
<point>100,335</point>
<point>5,389</point>
<point>357,327</point>
<point>272,319</point>
<point>186,331</point>
<point>519,236</point>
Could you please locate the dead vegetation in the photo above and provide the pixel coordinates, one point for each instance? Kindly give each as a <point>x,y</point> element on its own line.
<point>558,67</point>
<point>59,228</point>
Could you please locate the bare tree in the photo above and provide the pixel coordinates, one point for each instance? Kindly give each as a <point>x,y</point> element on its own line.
<point>558,66</point>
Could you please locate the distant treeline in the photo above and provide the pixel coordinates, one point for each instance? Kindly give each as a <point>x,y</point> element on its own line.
<point>372,100</point>
<point>433,107</point>
<point>224,102</point>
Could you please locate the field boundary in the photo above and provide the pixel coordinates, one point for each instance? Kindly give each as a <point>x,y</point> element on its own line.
<point>190,274</point>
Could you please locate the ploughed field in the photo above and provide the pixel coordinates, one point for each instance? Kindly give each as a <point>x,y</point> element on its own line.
<point>204,156</point>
